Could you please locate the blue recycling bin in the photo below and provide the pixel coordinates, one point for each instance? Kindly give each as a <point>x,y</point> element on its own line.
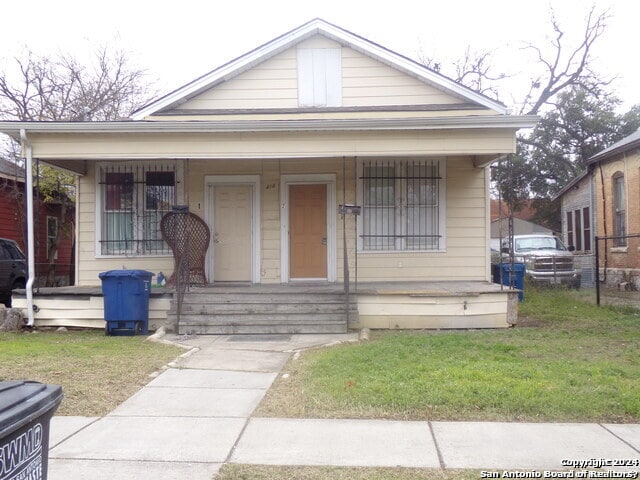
<point>507,272</point>
<point>126,301</point>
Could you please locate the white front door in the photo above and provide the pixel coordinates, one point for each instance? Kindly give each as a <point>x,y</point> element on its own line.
<point>232,233</point>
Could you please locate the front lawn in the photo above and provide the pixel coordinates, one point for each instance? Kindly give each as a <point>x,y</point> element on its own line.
<point>566,361</point>
<point>96,372</point>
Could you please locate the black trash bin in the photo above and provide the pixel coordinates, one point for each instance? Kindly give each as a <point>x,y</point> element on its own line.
<point>26,409</point>
<point>126,301</point>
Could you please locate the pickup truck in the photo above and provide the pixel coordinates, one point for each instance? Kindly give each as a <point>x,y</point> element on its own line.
<point>546,259</point>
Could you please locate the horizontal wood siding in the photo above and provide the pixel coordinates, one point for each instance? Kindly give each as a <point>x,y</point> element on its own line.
<point>85,311</point>
<point>404,311</point>
<point>270,172</point>
<point>273,84</point>
<point>89,265</point>
<point>368,82</point>
<point>465,255</point>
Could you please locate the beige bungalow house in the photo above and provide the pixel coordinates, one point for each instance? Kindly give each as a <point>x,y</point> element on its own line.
<point>265,149</point>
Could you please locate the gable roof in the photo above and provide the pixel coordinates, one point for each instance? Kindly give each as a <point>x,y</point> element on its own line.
<point>11,170</point>
<point>288,40</point>
<point>571,184</point>
<point>627,143</point>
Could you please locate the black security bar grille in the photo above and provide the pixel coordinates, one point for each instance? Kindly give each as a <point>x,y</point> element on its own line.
<point>134,200</point>
<point>401,205</point>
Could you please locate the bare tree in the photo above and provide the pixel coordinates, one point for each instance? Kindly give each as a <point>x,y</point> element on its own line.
<point>474,70</point>
<point>563,65</point>
<point>566,66</point>
<point>61,88</point>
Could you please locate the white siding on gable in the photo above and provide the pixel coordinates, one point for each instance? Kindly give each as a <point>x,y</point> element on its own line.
<point>271,84</point>
<point>319,72</point>
<point>367,82</point>
<point>319,77</point>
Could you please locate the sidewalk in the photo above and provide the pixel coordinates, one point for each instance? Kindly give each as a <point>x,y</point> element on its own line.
<point>196,416</point>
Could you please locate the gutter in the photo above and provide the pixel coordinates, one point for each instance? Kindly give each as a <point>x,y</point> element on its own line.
<point>237,126</point>
<point>26,144</point>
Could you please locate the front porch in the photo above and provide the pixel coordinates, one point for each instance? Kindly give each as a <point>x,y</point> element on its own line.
<point>294,307</point>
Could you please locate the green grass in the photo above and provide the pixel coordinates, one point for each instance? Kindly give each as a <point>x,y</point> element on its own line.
<point>97,372</point>
<point>567,361</point>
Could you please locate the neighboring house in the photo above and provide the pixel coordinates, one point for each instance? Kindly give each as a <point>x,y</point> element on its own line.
<point>13,225</point>
<point>501,210</point>
<point>266,147</point>
<point>615,175</point>
<point>578,223</point>
<point>500,229</point>
<point>522,222</point>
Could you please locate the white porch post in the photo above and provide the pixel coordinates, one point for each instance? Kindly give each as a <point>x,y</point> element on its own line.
<point>26,145</point>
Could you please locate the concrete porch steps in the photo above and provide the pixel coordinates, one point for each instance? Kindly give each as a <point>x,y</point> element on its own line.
<point>263,310</point>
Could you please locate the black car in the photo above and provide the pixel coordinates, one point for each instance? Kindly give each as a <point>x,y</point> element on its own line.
<point>13,269</point>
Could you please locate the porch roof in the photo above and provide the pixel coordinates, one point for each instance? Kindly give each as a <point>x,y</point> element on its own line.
<point>118,131</point>
<point>411,123</point>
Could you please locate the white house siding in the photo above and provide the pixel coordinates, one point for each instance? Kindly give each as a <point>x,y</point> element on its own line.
<point>86,311</point>
<point>367,82</point>
<point>464,257</point>
<point>264,145</point>
<point>90,265</point>
<point>270,172</point>
<point>489,310</point>
<point>273,84</point>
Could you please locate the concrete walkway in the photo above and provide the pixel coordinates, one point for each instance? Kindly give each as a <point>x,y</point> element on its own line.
<point>196,416</point>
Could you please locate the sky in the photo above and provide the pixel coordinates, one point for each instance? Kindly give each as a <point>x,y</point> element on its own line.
<point>177,41</point>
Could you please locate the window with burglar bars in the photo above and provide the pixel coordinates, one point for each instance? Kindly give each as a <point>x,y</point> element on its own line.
<point>134,200</point>
<point>401,205</point>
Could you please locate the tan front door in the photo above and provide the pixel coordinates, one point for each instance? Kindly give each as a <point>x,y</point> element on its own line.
<point>232,238</point>
<point>308,231</point>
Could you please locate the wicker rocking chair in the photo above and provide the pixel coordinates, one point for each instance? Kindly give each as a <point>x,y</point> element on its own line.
<point>188,236</point>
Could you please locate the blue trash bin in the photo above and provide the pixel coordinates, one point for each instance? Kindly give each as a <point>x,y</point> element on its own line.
<point>126,301</point>
<point>507,272</point>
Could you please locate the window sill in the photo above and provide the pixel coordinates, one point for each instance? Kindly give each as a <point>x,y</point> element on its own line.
<point>618,250</point>
<point>399,252</point>
<point>132,256</point>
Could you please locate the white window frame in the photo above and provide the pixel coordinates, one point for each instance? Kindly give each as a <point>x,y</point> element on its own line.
<point>319,77</point>
<point>400,219</point>
<point>619,207</point>
<point>99,198</point>
<point>49,237</point>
